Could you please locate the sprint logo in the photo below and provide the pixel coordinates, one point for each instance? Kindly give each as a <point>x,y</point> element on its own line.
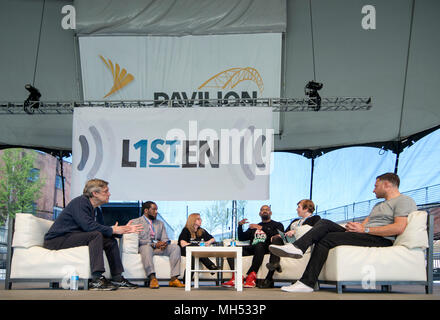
<point>120,77</point>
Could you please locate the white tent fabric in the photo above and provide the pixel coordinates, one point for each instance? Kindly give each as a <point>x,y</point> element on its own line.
<point>178,18</point>
<point>348,175</point>
<point>419,163</point>
<point>396,64</point>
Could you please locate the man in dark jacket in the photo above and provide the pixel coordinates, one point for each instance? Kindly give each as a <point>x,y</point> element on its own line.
<point>304,209</point>
<point>77,226</point>
<point>259,236</point>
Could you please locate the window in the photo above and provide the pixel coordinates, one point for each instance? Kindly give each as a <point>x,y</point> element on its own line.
<point>34,174</point>
<point>56,212</point>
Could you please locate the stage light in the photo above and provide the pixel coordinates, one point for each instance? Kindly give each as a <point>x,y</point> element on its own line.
<point>33,100</point>
<point>311,89</point>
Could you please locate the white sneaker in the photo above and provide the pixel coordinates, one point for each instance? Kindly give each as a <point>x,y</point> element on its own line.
<point>297,287</point>
<point>287,250</point>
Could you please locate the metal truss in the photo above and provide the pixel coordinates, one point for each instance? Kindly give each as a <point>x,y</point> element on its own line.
<point>277,105</point>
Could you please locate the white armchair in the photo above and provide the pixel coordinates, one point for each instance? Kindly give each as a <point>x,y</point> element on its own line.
<point>28,261</point>
<point>402,263</point>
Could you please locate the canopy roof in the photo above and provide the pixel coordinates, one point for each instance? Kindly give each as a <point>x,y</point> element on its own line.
<point>395,64</point>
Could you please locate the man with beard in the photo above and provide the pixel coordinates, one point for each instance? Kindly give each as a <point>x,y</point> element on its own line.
<point>153,240</point>
<point>260,236</point>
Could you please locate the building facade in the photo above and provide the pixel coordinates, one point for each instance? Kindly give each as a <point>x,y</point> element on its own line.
<point>52,198</point>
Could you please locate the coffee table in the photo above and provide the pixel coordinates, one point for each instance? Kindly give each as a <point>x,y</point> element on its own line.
<point>218,252</point>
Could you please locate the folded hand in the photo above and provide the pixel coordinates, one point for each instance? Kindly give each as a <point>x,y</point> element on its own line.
<point>354,227</point>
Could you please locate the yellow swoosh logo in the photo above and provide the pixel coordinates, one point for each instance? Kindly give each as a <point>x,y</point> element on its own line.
<point>120,77</point>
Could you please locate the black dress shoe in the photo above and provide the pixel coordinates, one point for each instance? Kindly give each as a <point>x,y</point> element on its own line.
<point>125,284</point>
<point>274,267</point>
<point>266,284</point>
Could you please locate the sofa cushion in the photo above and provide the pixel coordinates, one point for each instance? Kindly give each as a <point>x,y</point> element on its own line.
<point>415,234</point>
<point>29,230</point>
<point>130,243</point>
<point>354,263</point>
<point>39,263</point>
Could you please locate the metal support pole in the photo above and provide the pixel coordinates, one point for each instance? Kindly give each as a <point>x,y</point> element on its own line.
<point>234,219</point>
<point>429,254</point>
<point>311,178</point>
<point>62,178</point>
<point>10,223</point>
<point>398,150</point>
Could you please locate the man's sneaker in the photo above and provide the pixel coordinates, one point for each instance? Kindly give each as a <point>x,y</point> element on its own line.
<point>297,287</point>
<point>250,281</point>
<point>125,284</point>
<point>274,267</point>
<point>287,250</point>
<point>102,284</point>
<point>266,284</point>
<point>231,283</point>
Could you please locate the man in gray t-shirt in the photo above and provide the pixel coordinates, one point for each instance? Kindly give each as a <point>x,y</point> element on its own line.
<point>386,220</point>
<point>384,212</point>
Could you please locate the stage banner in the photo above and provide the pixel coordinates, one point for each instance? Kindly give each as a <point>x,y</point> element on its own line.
<point>221,67</point>
<point>174,153</point>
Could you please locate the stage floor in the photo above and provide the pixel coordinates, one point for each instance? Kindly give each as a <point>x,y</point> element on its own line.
<point>207,291</point>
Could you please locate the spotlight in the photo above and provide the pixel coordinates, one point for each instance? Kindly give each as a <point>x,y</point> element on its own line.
<point>33,100</point>
<point>311,90</point>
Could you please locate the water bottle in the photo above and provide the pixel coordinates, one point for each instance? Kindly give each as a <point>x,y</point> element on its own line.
<point>74,279</point>
<point>233,243</point>
<point>202,242</point>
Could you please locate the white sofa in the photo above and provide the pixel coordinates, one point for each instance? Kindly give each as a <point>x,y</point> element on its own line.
<point>31,262</point>
<point>134,270</point>
<point>292,269</point>
<point>28,261</point>
<point>404,262</point>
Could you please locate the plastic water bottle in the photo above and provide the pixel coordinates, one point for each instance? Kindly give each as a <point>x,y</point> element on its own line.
<point>74,279</point>
<point>233,243</point>
<point>202,242</point>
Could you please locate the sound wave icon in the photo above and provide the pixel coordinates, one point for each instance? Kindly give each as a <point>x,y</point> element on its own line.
<point>120,77</point>
<point>85,151</point>
<point>230,78</point>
